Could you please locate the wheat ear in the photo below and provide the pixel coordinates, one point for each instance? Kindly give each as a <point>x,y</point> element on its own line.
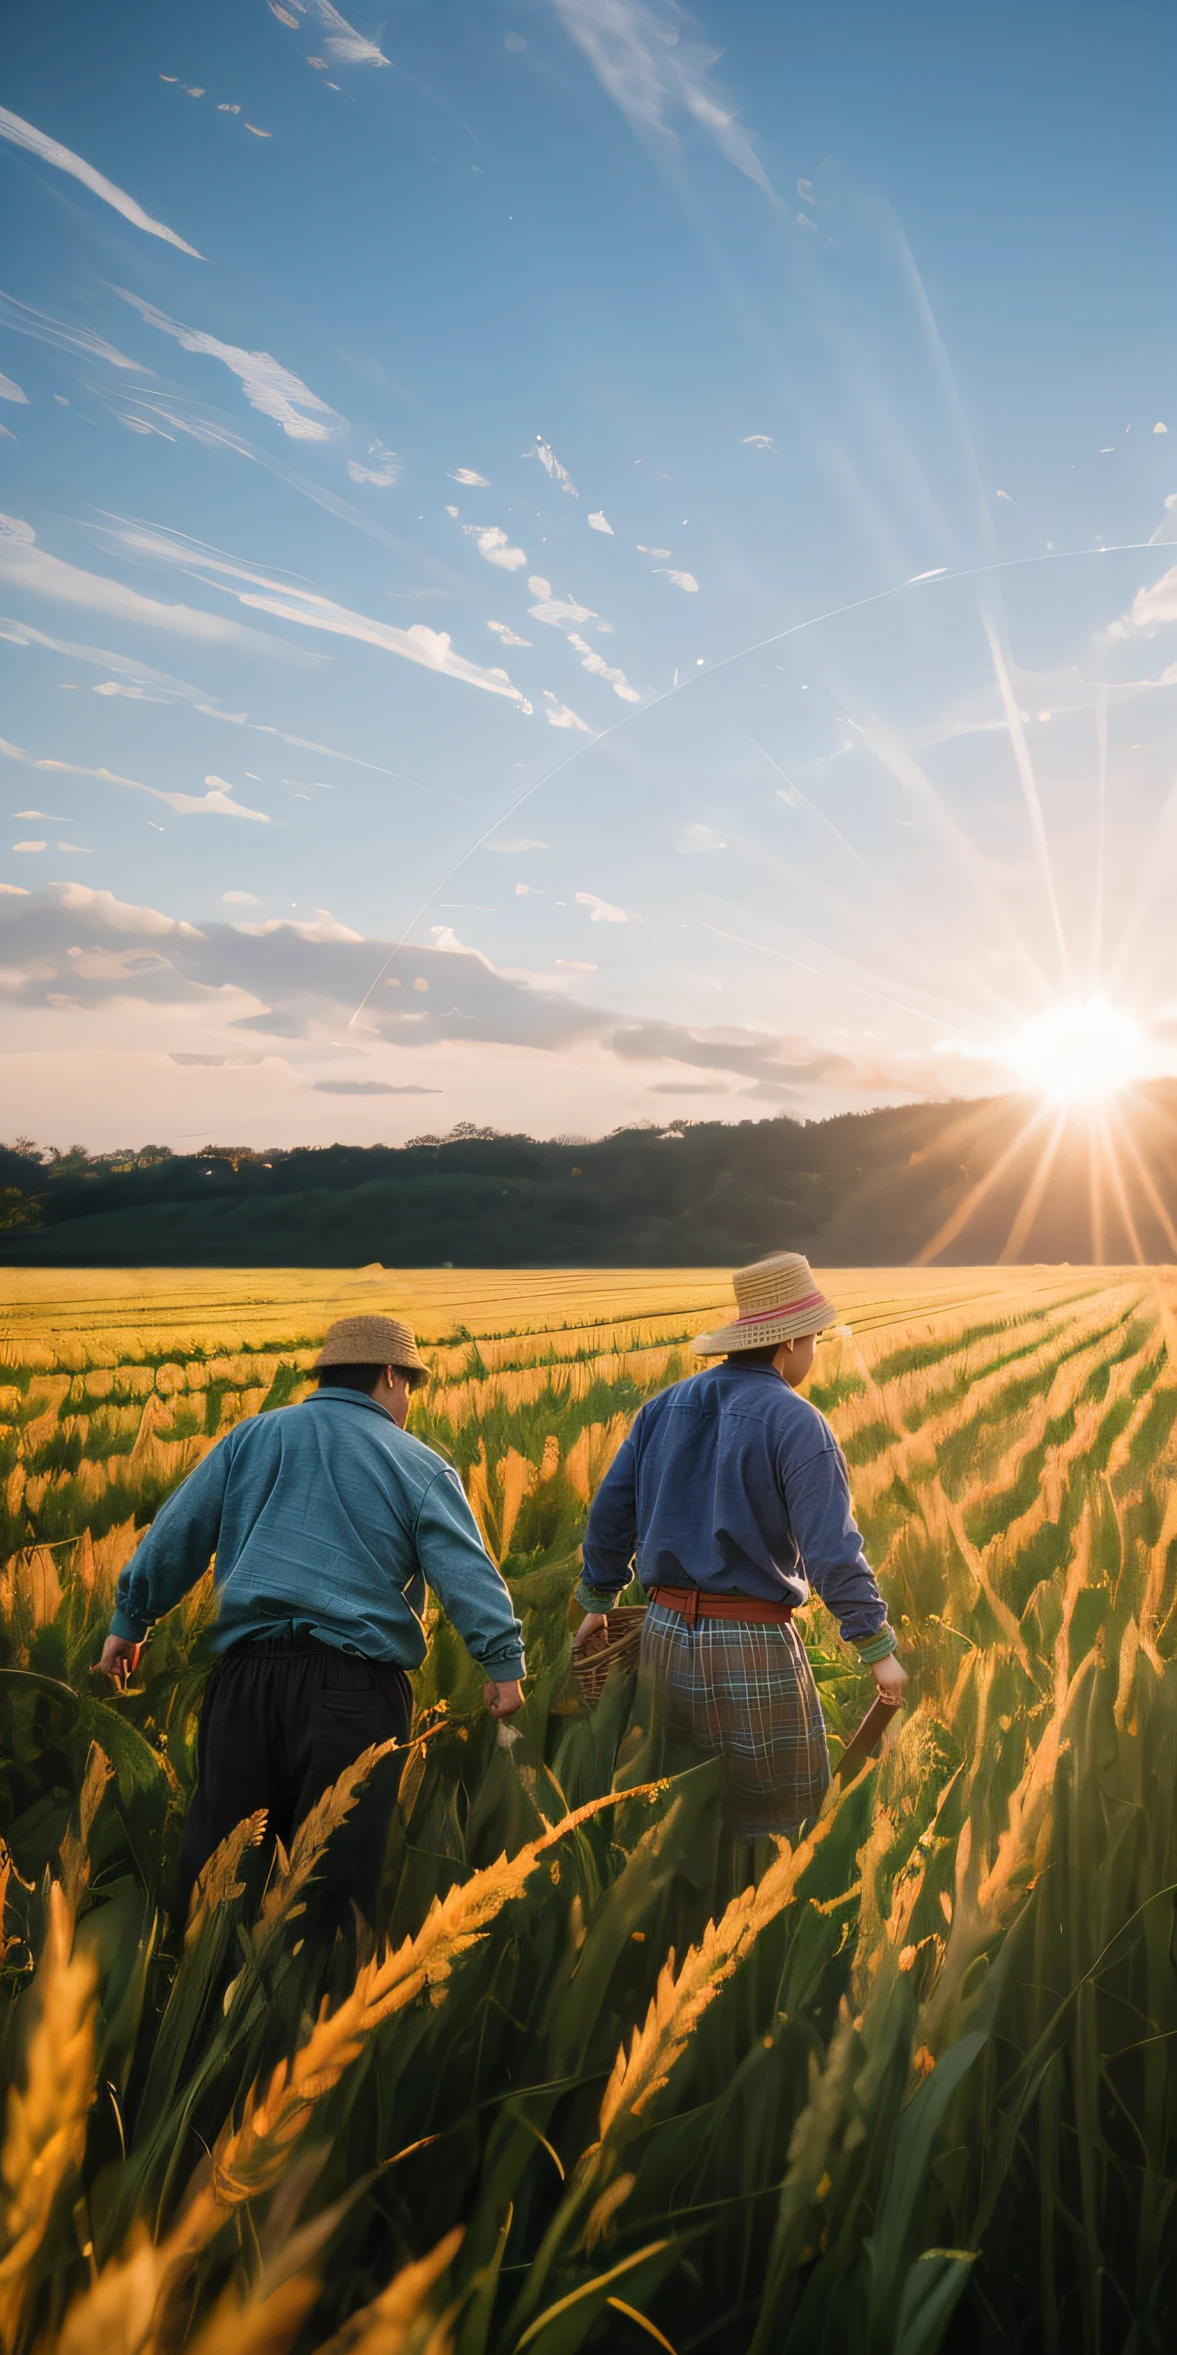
<point>45,2128</point>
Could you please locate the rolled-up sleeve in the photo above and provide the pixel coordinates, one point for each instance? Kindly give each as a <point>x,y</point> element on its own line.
<point>472,1591</point>
<point>611,1535</point>
<point>817,1499</point>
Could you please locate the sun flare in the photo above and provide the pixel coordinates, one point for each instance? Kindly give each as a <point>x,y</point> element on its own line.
<point>1081,1053</point>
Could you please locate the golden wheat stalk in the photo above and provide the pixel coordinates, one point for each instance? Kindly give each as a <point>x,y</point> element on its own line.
<point>217,1883</point>
<point>45,2127</point>
<point>284,1895</point>
<point>682,1997</point>
<point>74,1853</point>
<point>250,2157</point>
<point>392,2324</point>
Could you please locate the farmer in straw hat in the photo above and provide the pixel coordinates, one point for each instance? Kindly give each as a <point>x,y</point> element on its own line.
<point>732,1491</point>
<point>327,1521</point>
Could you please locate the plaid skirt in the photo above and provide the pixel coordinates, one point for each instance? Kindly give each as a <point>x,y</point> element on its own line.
<point>745,1692</point>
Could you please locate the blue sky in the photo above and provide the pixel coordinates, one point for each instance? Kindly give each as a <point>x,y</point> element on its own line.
<point>579,562</point>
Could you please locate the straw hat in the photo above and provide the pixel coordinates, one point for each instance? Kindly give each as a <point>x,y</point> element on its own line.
<point>371,1341</point>
<point>778,1300</point>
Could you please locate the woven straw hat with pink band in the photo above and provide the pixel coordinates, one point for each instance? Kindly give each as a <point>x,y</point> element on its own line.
<point>777,1300</point>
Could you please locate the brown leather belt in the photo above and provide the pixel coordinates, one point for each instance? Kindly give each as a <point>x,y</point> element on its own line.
<point>695,1605</point>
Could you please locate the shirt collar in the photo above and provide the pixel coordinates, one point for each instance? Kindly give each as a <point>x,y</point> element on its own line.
<point>351,1398</point>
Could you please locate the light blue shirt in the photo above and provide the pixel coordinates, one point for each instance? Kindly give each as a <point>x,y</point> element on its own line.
<point>327,1519</point>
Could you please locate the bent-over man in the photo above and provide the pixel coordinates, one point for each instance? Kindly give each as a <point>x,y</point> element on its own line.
<point>731,1493</point>
<point>328,1521</point>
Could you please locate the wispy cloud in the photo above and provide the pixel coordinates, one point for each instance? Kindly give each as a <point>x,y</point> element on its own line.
<point>269,388</point>
<point>341,42</point>
<point>11,392</point>
<point>34,570</point>
<point>216,802</point>
<point>561,613</point>
<point>561,715</point>
<point>466,474</point>
<point>594,662</point>
<point>654,68</point>
<point>552,467</point>
<point>495,546</point>
<point>23,319</point>
<point>697,837</point>
<point>367,1087</point>
<point>288,602</point>
<point>518,842</point>
<point>758,441</point>
<point>383,467</point>
<point>602,911</point>
<point>597,523</point>
<point>507,636</point>
<point>682,580</point>
<point>50,151</point>
<point>1150,606</point>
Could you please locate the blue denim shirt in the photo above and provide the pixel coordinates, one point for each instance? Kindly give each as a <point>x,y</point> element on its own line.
<point>327,1518</point>
<point>733,1483</point>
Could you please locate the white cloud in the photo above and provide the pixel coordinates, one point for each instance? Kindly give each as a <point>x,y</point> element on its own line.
<point>561,715</point>
<point>576,965</point>
<point>682,580</point>
<point>466,474</point>
<point>758,441</point>
<point>343,45</point>
<point>653,69</point>
<point>644,551</point>
<point>34,570</point>
<point>495,546</point>
<point>216,802</point>
<point>1160,429</point>
<point>22,134</point>
<point>384,473</point>
<point>594,662</point>
<point>506,635</point>
<point>552,467</point>
<point>419,644</point>
<point>11,392</point>
<point>117,687</point>
<point>1150,606</point>
<point>693,838</point>
<point>368,1087</point>
<point>597,523</point>
<point>562,613</point>
<point>268,387</point>
<point>526,891</point>
<point>240,899</point>
<point>601,911</point>
<point>30,846</point>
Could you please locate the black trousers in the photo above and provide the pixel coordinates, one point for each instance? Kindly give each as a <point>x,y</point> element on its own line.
<point>281,1719</point>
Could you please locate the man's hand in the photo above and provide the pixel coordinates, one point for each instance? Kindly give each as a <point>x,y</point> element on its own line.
<point>503,1700</point>
<point>891,1680</point>
<point>119,1659</point>
<point>592,1635</point>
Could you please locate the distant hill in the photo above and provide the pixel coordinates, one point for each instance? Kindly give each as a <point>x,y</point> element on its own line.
<point>976,1181</point>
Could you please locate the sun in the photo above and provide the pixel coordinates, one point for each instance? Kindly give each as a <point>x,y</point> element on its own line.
<point>1081,1053</point>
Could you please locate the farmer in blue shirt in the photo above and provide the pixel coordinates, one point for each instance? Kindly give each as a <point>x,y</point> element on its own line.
<point>327,1521</point>
<point>731,1498</point>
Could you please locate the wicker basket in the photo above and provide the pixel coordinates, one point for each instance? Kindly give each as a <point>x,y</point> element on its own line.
<point>623,1627</point>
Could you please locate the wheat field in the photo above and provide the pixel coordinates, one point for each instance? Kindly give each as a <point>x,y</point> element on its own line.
<point>598,2082</point>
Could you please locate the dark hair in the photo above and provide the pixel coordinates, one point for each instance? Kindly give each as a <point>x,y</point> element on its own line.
<point>754,1357</point>
<point>365,1378</point>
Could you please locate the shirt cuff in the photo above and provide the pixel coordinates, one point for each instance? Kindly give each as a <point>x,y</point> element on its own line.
<point>877,1647</point>
<point>592,1598</point>
<point>506,1667</point>
<point>128,1630</point>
